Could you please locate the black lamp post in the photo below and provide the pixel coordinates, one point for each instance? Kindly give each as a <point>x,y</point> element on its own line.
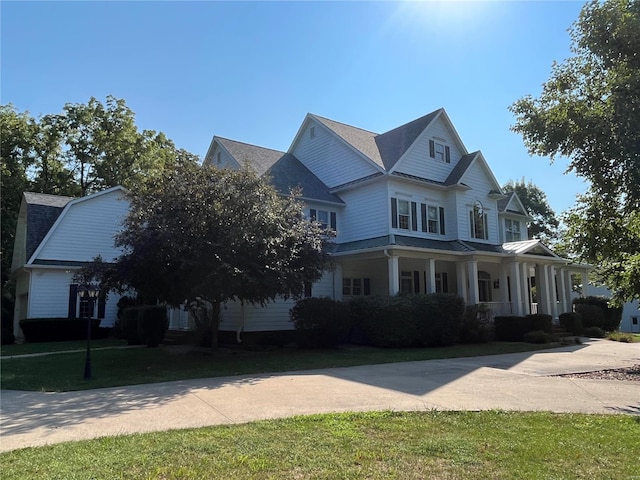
<point>90,292</point>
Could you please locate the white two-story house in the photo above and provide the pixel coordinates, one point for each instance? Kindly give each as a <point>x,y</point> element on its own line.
<point>413,212</point>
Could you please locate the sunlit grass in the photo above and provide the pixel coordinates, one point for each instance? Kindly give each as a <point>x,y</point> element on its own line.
<point>378,445</point>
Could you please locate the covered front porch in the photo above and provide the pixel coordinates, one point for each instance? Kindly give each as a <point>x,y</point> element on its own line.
<point>513,279</point>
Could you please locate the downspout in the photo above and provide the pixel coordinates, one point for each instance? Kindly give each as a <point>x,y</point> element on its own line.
<point>242,321</point>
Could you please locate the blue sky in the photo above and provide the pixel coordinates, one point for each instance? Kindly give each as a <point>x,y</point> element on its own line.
<point>251,71</point>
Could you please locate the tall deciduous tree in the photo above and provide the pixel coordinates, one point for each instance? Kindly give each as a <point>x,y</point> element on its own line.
<point>207,235</point>
<point>589,111</point>
<point>544,223</point>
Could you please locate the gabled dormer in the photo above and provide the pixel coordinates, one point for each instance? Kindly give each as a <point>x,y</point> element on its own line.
<point>335,152</point>
<point>428,147</point>
<point>514,219</point>
<point>225,153</point>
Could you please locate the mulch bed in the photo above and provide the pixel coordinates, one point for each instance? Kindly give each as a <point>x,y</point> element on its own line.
<point>630,374</point>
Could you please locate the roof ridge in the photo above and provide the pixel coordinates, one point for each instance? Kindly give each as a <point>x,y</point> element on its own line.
<point>249,144</point>
<point>345,124</point>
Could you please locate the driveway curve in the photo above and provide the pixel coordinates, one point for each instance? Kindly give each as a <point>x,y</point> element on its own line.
<point>518,381</point>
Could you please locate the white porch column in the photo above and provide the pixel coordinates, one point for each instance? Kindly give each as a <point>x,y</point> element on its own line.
<point>553,289</point>
<point>542,288</point>
<point>524,288</point>
<point>516,289</point>
<point>563,290</point>
<point>394,275</point>
<point>337,281</point>
<point>585,283</point>
<point>505,309</point>
<point>474,297</point>
<point>461,281</point>
<point>430,270</point>
<point>569,286</point>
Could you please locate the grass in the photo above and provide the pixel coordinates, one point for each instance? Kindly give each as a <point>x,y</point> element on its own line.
<point>27,348</point>
<point>624,337</point>
<point>117,367</point>
<point>379,445</point>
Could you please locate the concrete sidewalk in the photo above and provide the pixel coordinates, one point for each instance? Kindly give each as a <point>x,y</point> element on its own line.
<point>519,381</point>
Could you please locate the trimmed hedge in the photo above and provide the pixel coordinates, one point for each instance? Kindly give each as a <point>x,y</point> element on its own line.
<point>408,320</point>
<point>439,318</point>
<point>145,324</point>
<point>320,322</point>
<point>571,321</point>
<point>60,329</point>
<point>511,328</point>
<point>540,321</point>
<point>609,319</point>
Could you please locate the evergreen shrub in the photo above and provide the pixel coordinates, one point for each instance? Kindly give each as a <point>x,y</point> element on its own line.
<point>572,322</point>
<point>320,322</point>
<point>510,328</point>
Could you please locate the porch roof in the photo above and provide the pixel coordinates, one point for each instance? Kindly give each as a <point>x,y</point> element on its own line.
<point>388,241</point>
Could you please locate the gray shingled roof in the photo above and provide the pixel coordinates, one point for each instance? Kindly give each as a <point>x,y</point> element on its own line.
<point>259,158</point>
<point>362,140</point>
<point>461,167</point>
<point>42,212</point>
<point>288,173</point>
<point>503,202</point>
<point>402,241</point>
<point>394,143</point>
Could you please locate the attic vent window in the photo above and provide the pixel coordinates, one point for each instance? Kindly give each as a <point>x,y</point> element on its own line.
<point>218,158</point>
<point>439,151</point>
<point>312,132</point>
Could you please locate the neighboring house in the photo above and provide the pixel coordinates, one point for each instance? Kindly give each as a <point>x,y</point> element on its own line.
<point>630,311</point>
<point>413,211</point>
<point>55,237</point>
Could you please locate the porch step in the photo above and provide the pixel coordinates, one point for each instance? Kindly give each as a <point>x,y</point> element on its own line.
<point>178,337</point>
<point>560,332</point>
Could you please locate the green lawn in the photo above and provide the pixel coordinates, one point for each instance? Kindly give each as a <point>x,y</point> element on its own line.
<point>379,445</point>
<point>117,367</point>
<point>25,348</point>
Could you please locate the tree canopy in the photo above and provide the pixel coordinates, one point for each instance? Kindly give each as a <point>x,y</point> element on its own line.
<point>544,224</point>
<point>85,148</point>
<point>589,111</point>
<point>215,235</point>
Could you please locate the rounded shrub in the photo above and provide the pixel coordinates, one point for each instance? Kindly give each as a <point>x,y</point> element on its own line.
<point>537,336</point>
<point>572,322</point>
<point>385,321</point>
<point>540,321</point>
<point>594,332</point>
<point>320,322</point>
<point>510,328</point>
<point>152,324</point>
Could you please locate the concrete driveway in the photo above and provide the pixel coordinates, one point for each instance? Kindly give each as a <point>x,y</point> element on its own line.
<point>519,381</point>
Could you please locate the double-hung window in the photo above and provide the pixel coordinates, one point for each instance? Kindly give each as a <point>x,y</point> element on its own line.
<point>404,214</point>
<point>354,287</point>
<point>439,151</point>
<point>325,218</point>
<point>512,230</point>
<point>432,219</point>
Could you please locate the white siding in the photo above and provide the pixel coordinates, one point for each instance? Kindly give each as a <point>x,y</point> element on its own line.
<point>417,161</point>
<point>366,214</point>
<point>274,316</point>
<point>477,179</point>
<point>49,296</point>
<point>87,229</point>
<point>329,158</point>
<point>226,160</point>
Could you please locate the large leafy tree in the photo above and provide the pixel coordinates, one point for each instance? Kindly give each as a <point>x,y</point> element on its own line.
<point>544,224</point>
<point>205,235</point>
<point>85,148</point>
<point>589,111</point>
